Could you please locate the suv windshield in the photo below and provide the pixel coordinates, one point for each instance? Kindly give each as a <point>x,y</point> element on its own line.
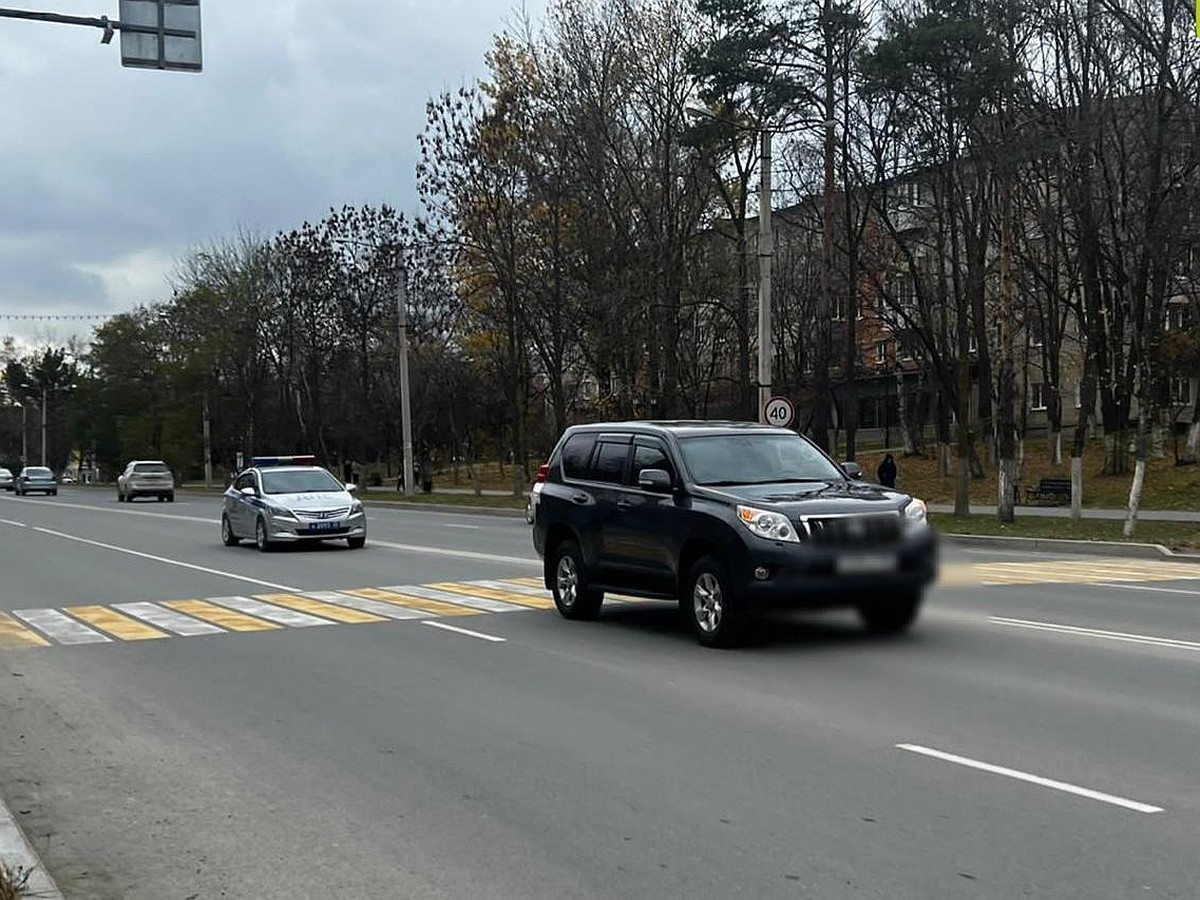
<point>305,481</point>
<point>756,458</point>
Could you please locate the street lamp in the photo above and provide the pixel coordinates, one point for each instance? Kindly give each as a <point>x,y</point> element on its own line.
<point>766,252</point>
<point>410,486</point>
<point>766,237</point>
<point>45,391</point>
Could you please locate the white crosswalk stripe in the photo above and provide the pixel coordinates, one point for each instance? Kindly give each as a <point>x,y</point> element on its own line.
<point>168,619</point>
<point>60,627</point>
<point>276,614</point>
<point>362,604</point>
<point>483,603</point>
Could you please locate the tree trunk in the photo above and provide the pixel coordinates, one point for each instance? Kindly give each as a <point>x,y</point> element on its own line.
<point>1056,450</point>
<point>1139,473</point>
<point>1192,451</point>
<point>1077,487</point>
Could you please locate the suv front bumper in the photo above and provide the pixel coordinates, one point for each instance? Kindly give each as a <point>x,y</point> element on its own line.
<point>811,576</point>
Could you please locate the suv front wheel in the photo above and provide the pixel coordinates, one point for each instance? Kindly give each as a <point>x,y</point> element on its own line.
<point>572,596</point>
<point>711,609</point>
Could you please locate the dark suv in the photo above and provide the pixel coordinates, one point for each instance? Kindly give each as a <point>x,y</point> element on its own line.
<point>728,517</point>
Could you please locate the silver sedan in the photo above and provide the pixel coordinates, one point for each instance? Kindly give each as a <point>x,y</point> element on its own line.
<point>274,505</point>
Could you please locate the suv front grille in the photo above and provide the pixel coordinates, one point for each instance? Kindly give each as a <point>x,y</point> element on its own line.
<point>873,529</point>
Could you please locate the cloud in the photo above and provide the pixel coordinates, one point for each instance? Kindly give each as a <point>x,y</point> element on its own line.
<point>304,105</point>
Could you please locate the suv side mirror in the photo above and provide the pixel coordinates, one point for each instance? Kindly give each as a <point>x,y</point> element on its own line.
<point>249,491</point>
<point>657,481</point>
<point>853,470</point>
<point>351,488</point>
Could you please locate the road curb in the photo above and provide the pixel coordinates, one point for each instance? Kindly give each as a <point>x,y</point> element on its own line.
<point>447,508</point>
<point>16,852</point>
<point>1062,545</point>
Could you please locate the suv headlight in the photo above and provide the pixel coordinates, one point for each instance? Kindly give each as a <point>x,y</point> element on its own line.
<point>770,525</point>
<point>916,514</point>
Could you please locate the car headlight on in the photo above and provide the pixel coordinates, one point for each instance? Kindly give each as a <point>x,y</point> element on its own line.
<point>770,525</point>
<point>916,514</point>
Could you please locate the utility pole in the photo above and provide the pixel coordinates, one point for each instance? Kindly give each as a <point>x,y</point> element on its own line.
<point>766,250</point>
<point>207,443</point>
<point>43,426</point>
<point>410,486</point>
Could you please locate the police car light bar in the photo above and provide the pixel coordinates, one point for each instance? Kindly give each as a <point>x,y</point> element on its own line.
<point>263,462</point>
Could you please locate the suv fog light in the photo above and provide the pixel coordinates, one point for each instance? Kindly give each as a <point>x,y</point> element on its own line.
<point>762,573</point>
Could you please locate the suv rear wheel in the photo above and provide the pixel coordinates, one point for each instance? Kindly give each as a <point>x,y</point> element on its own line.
<point>893,614</point>
<point>715,615</point>
<point>572,596</point>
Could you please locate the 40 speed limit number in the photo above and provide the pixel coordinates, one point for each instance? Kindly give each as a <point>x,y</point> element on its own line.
<point>780,411</point>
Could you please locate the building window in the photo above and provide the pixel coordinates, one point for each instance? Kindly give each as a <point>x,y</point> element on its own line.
<point>1181,391</point>
<point>972,342</point>
<point>1037,396</point>
<point>1034,329</point>
<point>906,294</point>
<point>881,353</point>
<point>839,308</point>
<point>905,348</point>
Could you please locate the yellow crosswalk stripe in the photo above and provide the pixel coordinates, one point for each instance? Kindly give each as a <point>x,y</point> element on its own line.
<point>119,626</point>
<point>14,634</point>
<point>470,590</point>
<point>437,607</point>
<point>219,615</point>
<point>341,614</point>
<point>529,582</point>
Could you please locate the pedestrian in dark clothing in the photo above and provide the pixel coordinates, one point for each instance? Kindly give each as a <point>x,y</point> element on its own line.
<point>886,472</point>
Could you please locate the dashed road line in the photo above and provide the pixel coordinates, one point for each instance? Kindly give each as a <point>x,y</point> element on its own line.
<point>1099,634</point>
<point>467,631</point>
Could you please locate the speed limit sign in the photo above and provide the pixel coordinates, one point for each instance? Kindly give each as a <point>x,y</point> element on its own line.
<point>780,411</point>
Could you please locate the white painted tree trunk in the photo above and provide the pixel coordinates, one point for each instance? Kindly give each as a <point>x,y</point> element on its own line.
<point>1056,456</point>
<point>1158,442</point>
<point>1076,487</point>
<point>1135,497</point>
<point>1006,500</point>
<point>1193,442</point>
<point>944,466</point>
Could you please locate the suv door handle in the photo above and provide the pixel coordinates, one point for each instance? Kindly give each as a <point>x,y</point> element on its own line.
<point>623,504</point>
<point>580,498</point>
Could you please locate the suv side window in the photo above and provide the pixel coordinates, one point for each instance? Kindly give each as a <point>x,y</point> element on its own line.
<point>608,462</point>
<point>576,453</point>
<point>650,456</point>
<point>245,480</point>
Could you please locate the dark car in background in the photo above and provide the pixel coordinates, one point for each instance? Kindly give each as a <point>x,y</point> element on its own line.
<point>728,518</point>
<point>35,480</point>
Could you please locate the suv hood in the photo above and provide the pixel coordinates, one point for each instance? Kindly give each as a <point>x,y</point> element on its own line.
<point>816,498</point>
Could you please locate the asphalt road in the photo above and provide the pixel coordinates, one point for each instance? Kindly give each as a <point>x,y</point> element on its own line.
<point>1037,735</point>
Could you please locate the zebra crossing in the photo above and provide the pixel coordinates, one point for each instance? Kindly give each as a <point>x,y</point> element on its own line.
<point>200,617</point>
<point>150,621</point>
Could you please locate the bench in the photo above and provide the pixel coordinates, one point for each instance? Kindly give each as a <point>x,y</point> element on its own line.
<point>1055,490</point>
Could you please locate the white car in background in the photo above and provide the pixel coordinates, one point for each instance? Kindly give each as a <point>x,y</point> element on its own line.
<point>6,480</point>
<point>146,478</point>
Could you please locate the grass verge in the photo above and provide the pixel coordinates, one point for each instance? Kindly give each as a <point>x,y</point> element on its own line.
<point>486,501</point>
<point>1176,535</point>
<point>13,882</point>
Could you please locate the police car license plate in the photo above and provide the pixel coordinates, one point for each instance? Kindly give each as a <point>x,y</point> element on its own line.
<point>325,526</point>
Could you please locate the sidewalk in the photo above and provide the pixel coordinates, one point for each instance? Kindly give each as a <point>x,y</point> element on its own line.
<point>1064,512</point>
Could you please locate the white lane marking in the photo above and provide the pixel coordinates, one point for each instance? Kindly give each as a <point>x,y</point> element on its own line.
<point>14,524</point>
<point>468,632</point>
<point>290,617</point>
<point>458,554</point>
<point>484,603</point>
<point>1032,779</point>
<point>169,562</point>
<point>62,628</point>
<point>362,604</point>
<point>168,619</point>
<point>456,525</point>
<point>1160,590</point>
<point>123,511</point>
<point>1124,637</point>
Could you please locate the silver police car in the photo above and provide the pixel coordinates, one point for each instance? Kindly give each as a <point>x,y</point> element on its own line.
<point>289,499</point>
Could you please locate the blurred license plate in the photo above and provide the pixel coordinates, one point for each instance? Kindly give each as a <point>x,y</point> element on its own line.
<point>325,526</point>
<point>866,563</point>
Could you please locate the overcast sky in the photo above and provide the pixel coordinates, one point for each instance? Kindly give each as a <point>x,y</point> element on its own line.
<point>110,174</point>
